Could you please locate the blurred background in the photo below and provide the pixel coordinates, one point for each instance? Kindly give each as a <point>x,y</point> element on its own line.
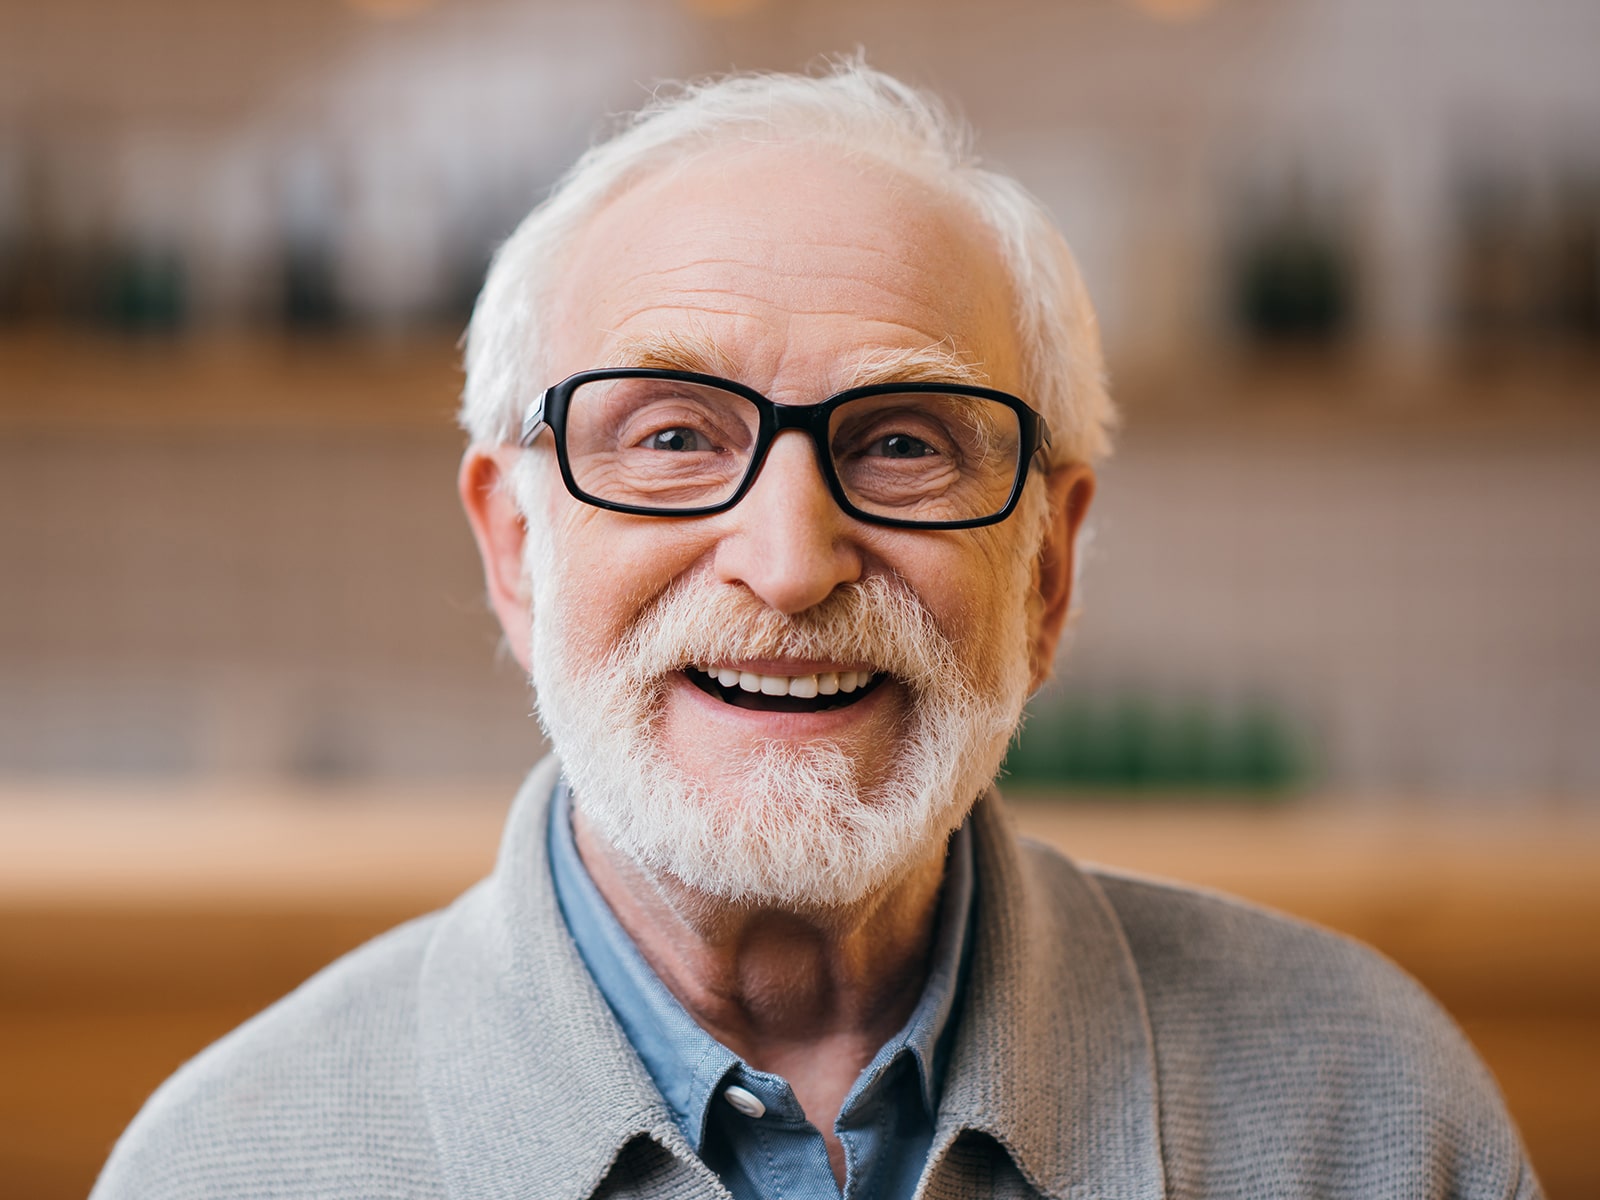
<point>1338,649</point>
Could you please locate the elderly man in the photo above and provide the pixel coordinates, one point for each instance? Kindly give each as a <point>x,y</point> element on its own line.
<point>783,417</point>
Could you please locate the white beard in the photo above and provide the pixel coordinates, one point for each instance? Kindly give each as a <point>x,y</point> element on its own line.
<point>791,825</point>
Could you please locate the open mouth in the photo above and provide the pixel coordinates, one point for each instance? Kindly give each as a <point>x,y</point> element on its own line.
<point>784,693</point>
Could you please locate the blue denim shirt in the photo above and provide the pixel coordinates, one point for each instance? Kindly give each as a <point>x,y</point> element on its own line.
<point>886,1124</point>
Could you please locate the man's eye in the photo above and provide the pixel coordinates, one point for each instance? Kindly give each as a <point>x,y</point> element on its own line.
<point>900,445</point>
<point>678,438</point>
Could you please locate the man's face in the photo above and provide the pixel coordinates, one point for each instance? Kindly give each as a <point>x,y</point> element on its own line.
<point>791,272</point>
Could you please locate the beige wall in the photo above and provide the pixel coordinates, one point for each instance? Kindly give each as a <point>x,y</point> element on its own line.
<point>285,585</point>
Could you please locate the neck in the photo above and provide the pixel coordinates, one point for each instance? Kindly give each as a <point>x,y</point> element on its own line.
<point>810,996</point>
<point>773,984</point>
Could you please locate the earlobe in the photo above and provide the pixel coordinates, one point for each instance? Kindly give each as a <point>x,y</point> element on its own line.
<point>1070,491</point>
<point>500,531</point>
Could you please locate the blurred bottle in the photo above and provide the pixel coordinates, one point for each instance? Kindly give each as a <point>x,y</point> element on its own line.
<point>143,289</point>
<point>1574,277</point>
<point>1133,742</point>
<point>1526,257</point>
<point>1495,268</point>
<point>311,298</point>
<point>1292,268</point>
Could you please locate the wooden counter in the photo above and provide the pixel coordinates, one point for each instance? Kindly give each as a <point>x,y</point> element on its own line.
<point>139,923</point>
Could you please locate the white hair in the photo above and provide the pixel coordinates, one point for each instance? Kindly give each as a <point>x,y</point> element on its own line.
<point>853,108</point>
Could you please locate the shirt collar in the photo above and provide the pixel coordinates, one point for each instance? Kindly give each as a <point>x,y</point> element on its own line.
<point>927,1033</point>
<point>687,1064</point>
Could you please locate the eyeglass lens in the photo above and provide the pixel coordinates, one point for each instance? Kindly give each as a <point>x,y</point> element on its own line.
<point>913,456</point>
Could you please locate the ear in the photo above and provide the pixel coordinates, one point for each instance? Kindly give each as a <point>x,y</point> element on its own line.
<point>498,527</point>
<point>1071,489</point>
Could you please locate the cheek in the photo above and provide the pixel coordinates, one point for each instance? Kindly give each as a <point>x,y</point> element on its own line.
<point>1000,596</point>
<point>975,588</point>
<point>607,569</point>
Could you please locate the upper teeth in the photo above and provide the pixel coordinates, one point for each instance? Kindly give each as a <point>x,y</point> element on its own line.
<point>805,686</point>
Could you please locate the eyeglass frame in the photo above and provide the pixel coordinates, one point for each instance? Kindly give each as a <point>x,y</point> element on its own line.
<point>551,408</point>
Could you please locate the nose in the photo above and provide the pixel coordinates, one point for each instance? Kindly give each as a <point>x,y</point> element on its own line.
<point>787,541</point>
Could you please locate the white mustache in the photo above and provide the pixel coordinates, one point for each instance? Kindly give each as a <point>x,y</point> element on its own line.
<point>877,621</point>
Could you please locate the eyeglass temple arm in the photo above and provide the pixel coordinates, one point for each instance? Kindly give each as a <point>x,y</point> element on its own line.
<point>1045,444</point>
<point>534,422</point>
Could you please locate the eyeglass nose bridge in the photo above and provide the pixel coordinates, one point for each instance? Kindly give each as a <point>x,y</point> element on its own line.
<point>809,419</point>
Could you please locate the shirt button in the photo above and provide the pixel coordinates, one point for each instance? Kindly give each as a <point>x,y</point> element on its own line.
<point>745,1101</point>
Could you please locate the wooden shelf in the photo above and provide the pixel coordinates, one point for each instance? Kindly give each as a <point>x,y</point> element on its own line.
<point>62,380</point>
<point>59,382</point>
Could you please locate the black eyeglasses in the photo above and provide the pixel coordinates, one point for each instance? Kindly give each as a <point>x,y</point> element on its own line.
<point>681,444</point>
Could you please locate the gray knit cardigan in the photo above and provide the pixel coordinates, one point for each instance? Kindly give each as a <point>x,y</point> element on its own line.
<point>1119,1038</point>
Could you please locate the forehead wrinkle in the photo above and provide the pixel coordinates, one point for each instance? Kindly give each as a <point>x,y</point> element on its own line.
<point>644,310</point>
<point>761,308</point>
<point>901,282</point>
<point>690,264</point>
<point>772,265</point>
<point>895,253</point>
<point>765,306</point>
<point>701,246</point>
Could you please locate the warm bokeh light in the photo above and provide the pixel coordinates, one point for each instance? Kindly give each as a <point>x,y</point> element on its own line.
<point>1174,10</point>
<point>390,9</point>
<point>724,8</point>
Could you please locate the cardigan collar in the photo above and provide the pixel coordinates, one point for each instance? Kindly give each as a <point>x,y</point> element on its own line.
<point>527,1077</point>
<point>1054,1057</point>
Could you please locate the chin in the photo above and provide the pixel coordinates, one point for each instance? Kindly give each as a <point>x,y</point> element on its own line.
<point>790,827</point>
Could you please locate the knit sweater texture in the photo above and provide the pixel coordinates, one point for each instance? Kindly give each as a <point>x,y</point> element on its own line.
<point>1118,1038</point>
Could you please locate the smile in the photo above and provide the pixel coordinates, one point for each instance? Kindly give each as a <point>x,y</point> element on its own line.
<point>784,693</point>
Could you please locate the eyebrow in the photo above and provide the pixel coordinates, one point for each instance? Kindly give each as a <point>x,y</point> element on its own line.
<point>693,350</point>
<point>939,362</point>
<point>673,351</point>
